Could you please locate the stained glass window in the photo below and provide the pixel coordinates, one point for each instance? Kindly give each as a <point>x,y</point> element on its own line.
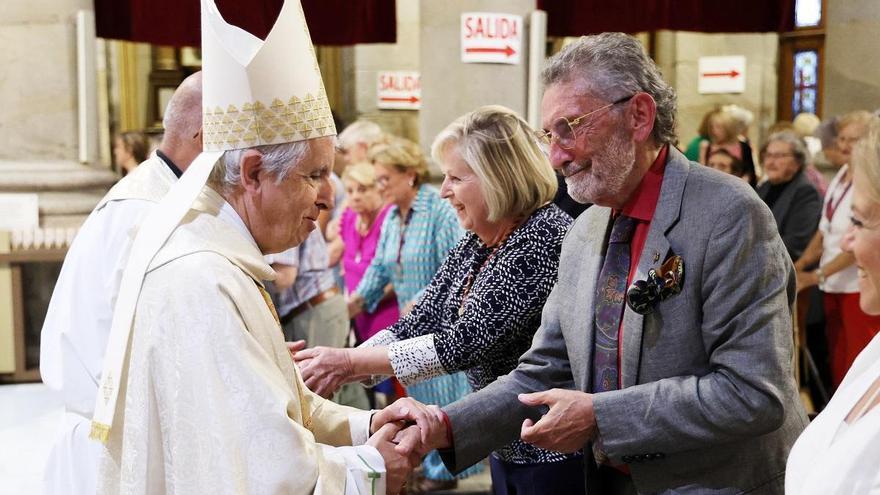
<point>806,79</point>
<point>807,13</point>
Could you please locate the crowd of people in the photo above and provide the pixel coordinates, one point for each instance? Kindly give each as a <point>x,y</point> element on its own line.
<point>321,314</point>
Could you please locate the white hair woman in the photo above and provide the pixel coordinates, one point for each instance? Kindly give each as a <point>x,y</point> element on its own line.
<point>482,308</point>
<point>839,451</point>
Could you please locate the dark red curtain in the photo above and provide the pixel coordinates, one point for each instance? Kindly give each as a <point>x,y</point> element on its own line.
<point>579,17</point>
<point>176,22</point>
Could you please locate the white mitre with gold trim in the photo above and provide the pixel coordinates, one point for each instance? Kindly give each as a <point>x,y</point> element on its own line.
<point>254,93</point>
<point>261,92</point>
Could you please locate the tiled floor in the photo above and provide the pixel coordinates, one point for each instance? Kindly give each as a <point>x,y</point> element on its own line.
<point>29,418</point>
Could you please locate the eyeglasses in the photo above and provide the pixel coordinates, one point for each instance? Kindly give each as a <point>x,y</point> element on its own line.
<point>563,131</point>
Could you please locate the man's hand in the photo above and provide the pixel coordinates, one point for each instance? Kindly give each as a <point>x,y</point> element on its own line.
<point>325,369</point>
<point>294,347</point>
<point>429,420</point>
<point>568,425</point>
<point>397,466</point>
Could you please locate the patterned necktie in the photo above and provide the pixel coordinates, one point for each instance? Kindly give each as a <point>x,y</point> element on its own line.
<point>610,297</point>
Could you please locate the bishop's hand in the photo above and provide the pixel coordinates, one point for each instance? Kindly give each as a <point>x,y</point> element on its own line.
<point>431,429</point>
<point>397,466</point>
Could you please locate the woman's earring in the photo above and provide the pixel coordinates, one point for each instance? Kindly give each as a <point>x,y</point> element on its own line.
<point>412,183</point>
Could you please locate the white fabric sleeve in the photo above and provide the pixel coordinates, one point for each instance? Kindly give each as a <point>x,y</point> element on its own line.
<point>359,426</point>
<point>365,469</point>
<point>381,338</point>
<point>415,360</point>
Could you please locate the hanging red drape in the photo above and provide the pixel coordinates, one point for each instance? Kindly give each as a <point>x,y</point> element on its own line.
<point>579,17</point>
<point>176,22</point>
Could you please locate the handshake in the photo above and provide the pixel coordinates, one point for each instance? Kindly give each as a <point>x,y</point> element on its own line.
<point>404,433</point>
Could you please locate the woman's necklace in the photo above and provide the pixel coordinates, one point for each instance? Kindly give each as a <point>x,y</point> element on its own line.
<point>472,275</point>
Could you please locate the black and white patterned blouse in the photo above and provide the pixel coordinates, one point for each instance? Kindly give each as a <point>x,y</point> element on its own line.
<point>482,331</point>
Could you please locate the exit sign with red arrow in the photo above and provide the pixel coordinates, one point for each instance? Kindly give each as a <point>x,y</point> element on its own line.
<point>399,90</point>
<point>721,74</point>
<point>492,38</point>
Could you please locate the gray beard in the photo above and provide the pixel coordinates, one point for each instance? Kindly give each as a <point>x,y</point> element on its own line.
<point>617,160</point>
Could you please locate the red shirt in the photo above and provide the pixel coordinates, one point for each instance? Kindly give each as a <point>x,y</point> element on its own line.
<point>641,206</point>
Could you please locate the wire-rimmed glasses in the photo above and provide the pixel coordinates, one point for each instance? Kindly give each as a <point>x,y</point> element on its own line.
<point>564,131</point>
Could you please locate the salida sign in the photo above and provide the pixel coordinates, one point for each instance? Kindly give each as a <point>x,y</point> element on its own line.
<point>399,90</point>
<point>493,38</point>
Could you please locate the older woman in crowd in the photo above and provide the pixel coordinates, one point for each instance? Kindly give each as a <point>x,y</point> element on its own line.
<point>359,230</point>
<point>417,234</point>
<point>825,264</point>
<point>792,198</point>
<point>839,451</point>
<point>481,310</point>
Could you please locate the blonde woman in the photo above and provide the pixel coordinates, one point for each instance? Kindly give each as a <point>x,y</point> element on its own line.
<point>484,305</point>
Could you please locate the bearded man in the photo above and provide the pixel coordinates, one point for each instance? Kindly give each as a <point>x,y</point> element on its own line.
<point>665,348</point>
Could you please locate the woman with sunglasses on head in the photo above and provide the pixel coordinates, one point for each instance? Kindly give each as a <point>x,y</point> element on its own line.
<point>839,452</point>
<point>481,310</point>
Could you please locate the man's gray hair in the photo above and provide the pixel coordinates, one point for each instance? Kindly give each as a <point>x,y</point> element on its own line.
<point>798,147</point>
<point>278,161</point>
<point>614,66</point>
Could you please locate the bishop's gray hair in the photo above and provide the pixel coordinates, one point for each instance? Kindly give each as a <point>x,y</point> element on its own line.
<point>278,161</point>
<point>614,66</point>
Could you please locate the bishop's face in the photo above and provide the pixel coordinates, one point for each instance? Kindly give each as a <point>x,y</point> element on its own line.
<point>286,212</point>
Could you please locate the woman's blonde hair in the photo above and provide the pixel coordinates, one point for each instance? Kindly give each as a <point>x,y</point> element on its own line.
<point>866,159</point>
<point>402,154</point>
<point>362,172</point>
<point>728,123</point>
<point>502,150</point>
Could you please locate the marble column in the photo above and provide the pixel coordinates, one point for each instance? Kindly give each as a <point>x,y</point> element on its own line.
<point>39,151</point>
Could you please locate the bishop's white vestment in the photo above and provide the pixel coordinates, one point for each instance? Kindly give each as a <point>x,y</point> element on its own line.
<point>213,402</point>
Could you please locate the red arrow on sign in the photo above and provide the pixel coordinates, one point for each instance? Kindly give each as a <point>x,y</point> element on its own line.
<point>507,50</point>
<point>731,74</point>
<point>406,99</point>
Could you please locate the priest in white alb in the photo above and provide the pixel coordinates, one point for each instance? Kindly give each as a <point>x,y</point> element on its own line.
<point>198,392</point>
<point>77,322</point>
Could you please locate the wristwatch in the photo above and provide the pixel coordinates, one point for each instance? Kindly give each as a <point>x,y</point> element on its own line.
<point>821,276</point>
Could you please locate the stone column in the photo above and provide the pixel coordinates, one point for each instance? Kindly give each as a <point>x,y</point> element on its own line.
<point>851,71</point>
<point>677,55</point>
<point>403,55</point>
<point>451,88</point>
<point>39,149</point>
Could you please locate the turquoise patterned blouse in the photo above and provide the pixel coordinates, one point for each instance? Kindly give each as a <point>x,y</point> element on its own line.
<point>432,230</point>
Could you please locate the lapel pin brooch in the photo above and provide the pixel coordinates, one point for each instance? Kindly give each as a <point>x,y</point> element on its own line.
<point>661,284</point>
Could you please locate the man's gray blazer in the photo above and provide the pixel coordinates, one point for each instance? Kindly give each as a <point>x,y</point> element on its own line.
<point>708,403</point>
